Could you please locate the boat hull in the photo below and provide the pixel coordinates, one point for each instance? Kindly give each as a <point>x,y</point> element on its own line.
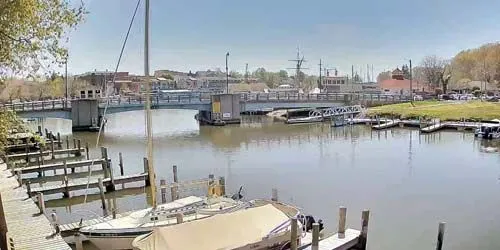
<point>114,240</point>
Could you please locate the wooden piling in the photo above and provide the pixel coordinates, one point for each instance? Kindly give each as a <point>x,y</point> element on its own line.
<point>101,193</point>
<point>180,218</point>
<point>40,130</point>
<point>104,164</point>
<point>174,170</point>
<point>19,177</point>
<point>59,142</point>
<point>342,219</point>
<point>78,241</point>
<point>315,236</point>
<point>28,188</point>
<point>274,195</point>
<point>120,162</point>
<point>363,237</point>
<point>440,237</point>
<point>67,142</point>
<point>79,153</point>
<point>174,190</point>
<point>111,185</point>
<point>74,142</point>
<point>222,184</point>
<point>41,156</point>
<point>65,179</point>
<point>87,150</point>
<point>47,133</point>
<point>147,181</point>
<point>163,191</point>
<point>293,236</point>
<point>41,202</point>
<point>52,150</point>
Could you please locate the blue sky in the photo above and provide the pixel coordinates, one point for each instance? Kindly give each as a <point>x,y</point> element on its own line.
<point>196,34</point>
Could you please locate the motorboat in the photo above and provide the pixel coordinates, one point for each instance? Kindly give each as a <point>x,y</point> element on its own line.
<point>265,225</point>
<point>120,232</point>
<point>488,131</point>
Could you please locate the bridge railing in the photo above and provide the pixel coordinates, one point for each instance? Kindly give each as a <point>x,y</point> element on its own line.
<point>37,105</point>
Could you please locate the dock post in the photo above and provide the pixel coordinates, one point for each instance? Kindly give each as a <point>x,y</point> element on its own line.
<point>3,226</point>
<point>19,177</point>
<point>293,236</point>
<point>163,182</point>
<point>59,143</point>
<point>440,238</point>
<point>74,143</point>
<point>66,191</point>
<point>78,241</point>
<point>41,202</point>
<point>315,236</point>
<point>174,170</point>
<point>120,158</point>
<point>87,150</point>
<point>274,196</point>
<point>175,189</point>
<point>67,142</point>
<point>79,152</point>
<point>47,133</point>
<point>222,184</point>
<point>27,150</point>
<point>101,193</point>
<point>180,218</point>
<point>40,130</point>
<point>363,237</point>
<point>147,181</point>
<point>104,164</point>
<point>111,186</point>
<point>342,219</point>
<point>52,149</point>
<point>41,156</point>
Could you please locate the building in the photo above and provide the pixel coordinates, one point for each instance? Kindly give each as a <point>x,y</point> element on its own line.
<point>402,87</point>
<point>398,74</point>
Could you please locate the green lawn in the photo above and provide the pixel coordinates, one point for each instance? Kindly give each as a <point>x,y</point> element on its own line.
<point>444,110</point>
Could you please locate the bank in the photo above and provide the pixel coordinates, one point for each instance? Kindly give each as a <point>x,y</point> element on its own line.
<point>443,110</point>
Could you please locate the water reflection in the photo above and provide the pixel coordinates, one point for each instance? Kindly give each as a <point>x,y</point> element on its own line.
<point>410,181</point>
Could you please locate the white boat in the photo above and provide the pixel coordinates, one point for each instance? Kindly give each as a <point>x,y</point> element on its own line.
<point>119,233</point>
<point>488,131</point>
<point>265,226</point>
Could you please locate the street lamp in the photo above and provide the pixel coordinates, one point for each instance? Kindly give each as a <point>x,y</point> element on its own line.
<point>411,84</point>
<point>227,74</point>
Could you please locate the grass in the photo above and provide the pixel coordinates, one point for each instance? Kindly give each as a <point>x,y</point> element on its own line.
<point>444,110</point>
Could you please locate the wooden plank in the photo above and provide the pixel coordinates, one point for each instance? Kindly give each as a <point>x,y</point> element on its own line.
<point>45,153</point>
<point>335,242</point>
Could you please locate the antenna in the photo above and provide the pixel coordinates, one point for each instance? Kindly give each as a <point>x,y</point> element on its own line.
<point>298,67</point>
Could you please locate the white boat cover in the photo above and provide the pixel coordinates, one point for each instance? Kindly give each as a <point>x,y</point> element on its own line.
<point>222,231</point>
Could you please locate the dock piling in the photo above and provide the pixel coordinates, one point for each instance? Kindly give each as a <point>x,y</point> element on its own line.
<point>79,153</point>
<point>67,142</point>
<point>120,159</point>
<point>274,196</point>
<point>111,185</point>
<point>78,241</point>
<point>74,142</point>
<point>342,219</point>
<point>174,189</point>
<point>103,199</point>
<point>104,164</point>
<point>19,177</point>
<point>180,218</point>
<point>40,130</point>
<point>65,179</point>
<point>59,143</point>
<point>52,149</point>
<point>222,184</point>
<point>41,202</point>
<point>363,237</point>
<point>87,150</point>
<point>163,191</point>
<point>147,181</point>
<point>47,133</point>
<point>28,188</point>
<point>315,236</point>
<point>440,237</point>
<point>293,236</point>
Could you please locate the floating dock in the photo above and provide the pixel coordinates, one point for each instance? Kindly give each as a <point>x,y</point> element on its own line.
<point>386,124</point>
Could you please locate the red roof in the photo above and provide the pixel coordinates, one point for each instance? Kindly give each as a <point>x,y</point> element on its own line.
<point>402,84</point>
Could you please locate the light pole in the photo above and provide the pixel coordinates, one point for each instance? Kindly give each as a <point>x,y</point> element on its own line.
<point>66,80</point>
<point>411,84</point>
<point>227,75</point>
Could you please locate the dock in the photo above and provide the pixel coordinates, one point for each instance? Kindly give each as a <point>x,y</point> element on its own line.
<point>386,124</point>
<point>60,165</point>
<point>21,222</point>
<point>338,242</point>
<point>31,155</point>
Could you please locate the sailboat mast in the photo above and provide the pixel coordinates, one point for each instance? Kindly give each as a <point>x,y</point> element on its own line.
<point>149,132</point>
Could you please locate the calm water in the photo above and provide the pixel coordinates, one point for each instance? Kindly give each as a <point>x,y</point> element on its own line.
<point>410,182</point>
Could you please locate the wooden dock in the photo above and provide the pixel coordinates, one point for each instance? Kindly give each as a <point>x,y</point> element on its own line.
<point>78,184</point>
<point>386,124</point>
<point>338,242</point>
<point>30,155</point>
<point>20,218</point>
<point>60,165</point>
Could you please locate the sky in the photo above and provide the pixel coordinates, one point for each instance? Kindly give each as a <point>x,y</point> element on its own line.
<point>196,34</point>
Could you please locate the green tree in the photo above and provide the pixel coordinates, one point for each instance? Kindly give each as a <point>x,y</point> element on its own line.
<point>32,33</point>
<point>235,74</point>
<point>283,74</point>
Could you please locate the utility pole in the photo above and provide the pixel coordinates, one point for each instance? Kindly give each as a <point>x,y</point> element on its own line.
<point>411,84</point>
<point>320,83</point>
<point>66,80</point>
<point>227,75</point>
<point>246,73</point>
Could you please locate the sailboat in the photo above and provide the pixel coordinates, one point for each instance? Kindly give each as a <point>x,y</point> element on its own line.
<point>120,232</point>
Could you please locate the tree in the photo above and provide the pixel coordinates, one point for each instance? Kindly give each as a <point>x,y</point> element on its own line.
<point>406,71</point>
<point>283,74</point>
<point>32,33</point>
<point>432,69</point>
<point>235,74</point>
<point>382,76</point>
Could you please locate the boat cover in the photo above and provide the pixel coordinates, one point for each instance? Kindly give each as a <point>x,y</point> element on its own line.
<point>222,231</point>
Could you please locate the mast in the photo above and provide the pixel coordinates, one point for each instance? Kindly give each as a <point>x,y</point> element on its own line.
<point>149,131</point>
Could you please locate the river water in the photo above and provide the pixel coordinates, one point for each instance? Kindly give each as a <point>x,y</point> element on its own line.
<point>410,182</point>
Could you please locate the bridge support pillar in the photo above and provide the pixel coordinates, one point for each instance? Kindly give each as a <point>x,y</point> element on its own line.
<point>225,109</point>
<point>85,115</point>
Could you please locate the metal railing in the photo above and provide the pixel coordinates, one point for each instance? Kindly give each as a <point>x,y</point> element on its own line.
<point>203,98</point>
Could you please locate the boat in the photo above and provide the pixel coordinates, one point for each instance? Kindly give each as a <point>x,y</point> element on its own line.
<point>301,120</point>
<point>488,131</point>
<point>265,225</point>
<point>120,232</point>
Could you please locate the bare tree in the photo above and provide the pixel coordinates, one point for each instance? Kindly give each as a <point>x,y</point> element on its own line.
<point>432,69</point>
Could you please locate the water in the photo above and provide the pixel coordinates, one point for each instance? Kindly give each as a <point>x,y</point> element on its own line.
<point>410,182</point>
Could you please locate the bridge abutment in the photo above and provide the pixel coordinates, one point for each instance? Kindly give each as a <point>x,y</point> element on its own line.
<point>85,115</point>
